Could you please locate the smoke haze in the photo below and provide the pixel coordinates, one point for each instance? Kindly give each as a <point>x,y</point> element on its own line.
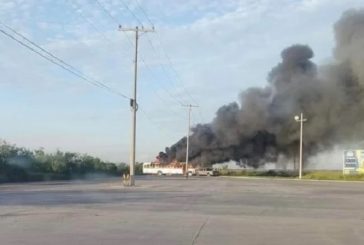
<point>261,126</point>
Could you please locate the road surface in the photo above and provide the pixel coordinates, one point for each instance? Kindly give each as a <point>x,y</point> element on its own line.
<point>173,210</point>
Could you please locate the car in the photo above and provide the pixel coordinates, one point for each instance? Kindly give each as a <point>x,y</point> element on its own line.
<point>206,172</point>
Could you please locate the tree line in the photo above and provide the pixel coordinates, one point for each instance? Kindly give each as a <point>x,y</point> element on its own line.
<point>20,164</point>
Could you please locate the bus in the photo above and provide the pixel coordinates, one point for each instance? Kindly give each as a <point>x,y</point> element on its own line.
<point>175,168</point>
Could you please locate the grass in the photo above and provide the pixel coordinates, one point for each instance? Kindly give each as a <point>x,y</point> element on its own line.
<point>331,175</point>
<point>314,175</point>
<point>259,173</point>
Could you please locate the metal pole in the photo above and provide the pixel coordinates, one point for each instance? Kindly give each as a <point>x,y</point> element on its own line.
<point>133,101</point>
<point>188,139</point>
<point>134,107</point>
<point>301,139</point>
<point>188,135</point>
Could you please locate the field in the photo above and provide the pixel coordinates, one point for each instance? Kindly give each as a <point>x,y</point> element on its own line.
<point>173,210</point>
<point>314,175</point>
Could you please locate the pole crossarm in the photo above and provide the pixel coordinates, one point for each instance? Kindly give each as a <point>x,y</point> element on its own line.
<point>137,28</point>
<point>189,105</point>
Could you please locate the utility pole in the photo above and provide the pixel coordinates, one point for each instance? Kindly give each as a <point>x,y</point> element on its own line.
<point>133,101</point>
<point>188,134</point>
<point>301,120</point>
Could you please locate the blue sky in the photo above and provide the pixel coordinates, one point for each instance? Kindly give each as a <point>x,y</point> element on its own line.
<point>215,50</point>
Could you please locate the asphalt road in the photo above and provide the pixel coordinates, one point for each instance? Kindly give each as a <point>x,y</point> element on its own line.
<point>171,210</point>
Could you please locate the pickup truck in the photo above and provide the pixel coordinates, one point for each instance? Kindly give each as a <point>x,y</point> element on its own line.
<point>206,172</point>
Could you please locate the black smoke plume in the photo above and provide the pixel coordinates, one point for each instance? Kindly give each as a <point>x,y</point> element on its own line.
<point>261,127</point>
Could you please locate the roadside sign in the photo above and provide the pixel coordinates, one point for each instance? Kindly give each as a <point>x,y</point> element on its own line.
<point>353,162</point>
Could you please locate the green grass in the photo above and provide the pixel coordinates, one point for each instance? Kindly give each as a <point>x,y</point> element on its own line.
<point>331,175</point>
<point>314,175</point>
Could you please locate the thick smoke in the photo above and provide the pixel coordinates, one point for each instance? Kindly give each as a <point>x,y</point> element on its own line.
<point>261,127</point>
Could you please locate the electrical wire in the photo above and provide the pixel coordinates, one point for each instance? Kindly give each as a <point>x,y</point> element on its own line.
<point>178,78</point>
<point>57,61</point>
<point>113,18</point>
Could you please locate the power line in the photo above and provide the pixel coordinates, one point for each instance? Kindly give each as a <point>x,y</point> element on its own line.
<point>146,115</point>
<point>161,45</point>
<point>178,78</point>
<point>77,7</point>
<point>132,13</point>
<point>175,99</point>
<point>144,12</point>
<point>173,69</point>
<point>107,12</point>
<point>130,43</point>
<point>104,9</point>
<point>78,10</point>
<point>163,66</point>
<point>57,61</point>
<point>179,101</point>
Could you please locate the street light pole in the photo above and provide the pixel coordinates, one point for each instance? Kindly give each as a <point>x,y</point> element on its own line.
<point>301,120</point>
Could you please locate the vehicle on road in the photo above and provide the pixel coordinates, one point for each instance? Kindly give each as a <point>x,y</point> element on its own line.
<point>167,169</point>
<point>207,172</point>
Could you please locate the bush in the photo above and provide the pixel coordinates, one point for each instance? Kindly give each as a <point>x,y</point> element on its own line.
<point>19,164</point>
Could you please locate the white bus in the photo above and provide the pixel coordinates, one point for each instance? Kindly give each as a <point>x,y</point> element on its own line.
<point>167,169</point>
